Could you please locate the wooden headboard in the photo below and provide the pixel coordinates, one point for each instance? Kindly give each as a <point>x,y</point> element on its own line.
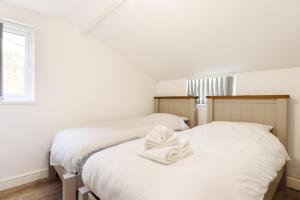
<point>264,109</point>
<point>184,106</point>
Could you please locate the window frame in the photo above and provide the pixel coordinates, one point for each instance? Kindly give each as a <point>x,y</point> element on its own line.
<point>28,32</point>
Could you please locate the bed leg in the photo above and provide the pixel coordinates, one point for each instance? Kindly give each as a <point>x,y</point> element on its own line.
<point>283,187</point>
<point>51,169</point>
<point>282,184</point>
<point>69,187</point>
<point>83,193</point>
<point>51,173</point>
<point>91,196</point>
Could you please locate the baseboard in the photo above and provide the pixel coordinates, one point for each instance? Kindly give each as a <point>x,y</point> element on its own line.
<point>23,179</point>
<point>293,183</point>
<point>12,182</point>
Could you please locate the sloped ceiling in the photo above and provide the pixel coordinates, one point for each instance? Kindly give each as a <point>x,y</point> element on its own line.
<point>84,13</point>
<point>182,38</point>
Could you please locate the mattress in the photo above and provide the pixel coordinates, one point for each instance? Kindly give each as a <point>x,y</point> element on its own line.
<point>72,147</point>
<point>230,162</point>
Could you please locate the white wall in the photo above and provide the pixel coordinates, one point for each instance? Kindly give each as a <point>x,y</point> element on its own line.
<point>78,80</point>
<point>171,88</point>
<point>282,81</point>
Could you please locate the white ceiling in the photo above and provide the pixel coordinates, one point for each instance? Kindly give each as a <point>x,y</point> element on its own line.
<point>180,38</point>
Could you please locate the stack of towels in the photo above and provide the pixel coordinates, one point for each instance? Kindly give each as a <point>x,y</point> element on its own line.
<point>163,145</point>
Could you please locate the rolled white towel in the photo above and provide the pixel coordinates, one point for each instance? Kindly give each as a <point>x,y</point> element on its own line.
<point>168,155</point>
<point>161,136</point>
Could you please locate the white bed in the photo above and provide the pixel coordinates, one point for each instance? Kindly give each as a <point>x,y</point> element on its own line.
<point>230,161</point>
<point>72,147</point>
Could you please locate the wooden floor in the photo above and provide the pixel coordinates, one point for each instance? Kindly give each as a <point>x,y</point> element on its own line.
<point>42,190</point>
<point>45,190</point>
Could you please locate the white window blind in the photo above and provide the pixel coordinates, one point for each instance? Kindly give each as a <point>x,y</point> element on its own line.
<point>16,62</point>
<point>211,86</point>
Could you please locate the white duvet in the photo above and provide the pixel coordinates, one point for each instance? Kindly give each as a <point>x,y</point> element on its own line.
<point>71,147</point>
<point>230,161</point>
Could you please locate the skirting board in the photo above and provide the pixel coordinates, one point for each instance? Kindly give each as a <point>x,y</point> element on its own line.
<point>12,182</point>
<point>293,183</point>
<point>23,179</point>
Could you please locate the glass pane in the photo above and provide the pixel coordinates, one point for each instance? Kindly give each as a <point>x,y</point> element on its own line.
<point>14,64</point>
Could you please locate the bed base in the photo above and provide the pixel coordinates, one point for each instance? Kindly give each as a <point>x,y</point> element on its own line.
<point>85,194</point>
<point>70,182</point>
<point>280,181</point>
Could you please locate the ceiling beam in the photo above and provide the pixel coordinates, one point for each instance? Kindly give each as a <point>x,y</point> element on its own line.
<point>103,13</point>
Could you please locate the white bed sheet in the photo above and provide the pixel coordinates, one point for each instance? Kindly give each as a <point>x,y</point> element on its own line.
<point>71,147</point>
<point>229,162</point>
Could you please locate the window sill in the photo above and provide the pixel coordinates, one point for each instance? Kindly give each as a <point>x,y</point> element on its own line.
<point>202,105</point>
<point>18,103</point>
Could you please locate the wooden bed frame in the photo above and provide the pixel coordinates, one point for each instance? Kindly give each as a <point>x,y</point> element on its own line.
<point>182,106</point>
<point>264,109</point>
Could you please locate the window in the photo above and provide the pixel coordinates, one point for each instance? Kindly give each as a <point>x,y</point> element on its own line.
<point>16,64</point>
<point>211,86</point>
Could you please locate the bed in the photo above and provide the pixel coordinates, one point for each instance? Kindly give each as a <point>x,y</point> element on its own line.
<point>247,163</point>
<point>72,147</point>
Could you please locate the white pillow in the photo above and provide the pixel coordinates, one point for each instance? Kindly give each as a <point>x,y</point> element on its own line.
<point>262,127</point>
<point>172,121</point>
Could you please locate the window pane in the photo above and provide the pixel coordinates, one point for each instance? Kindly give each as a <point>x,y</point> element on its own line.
<point>14,64</point>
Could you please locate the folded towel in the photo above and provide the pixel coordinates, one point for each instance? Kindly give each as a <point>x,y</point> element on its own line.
<point>168,155</point>
<point>161,136</point>
<point>151,145</point>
